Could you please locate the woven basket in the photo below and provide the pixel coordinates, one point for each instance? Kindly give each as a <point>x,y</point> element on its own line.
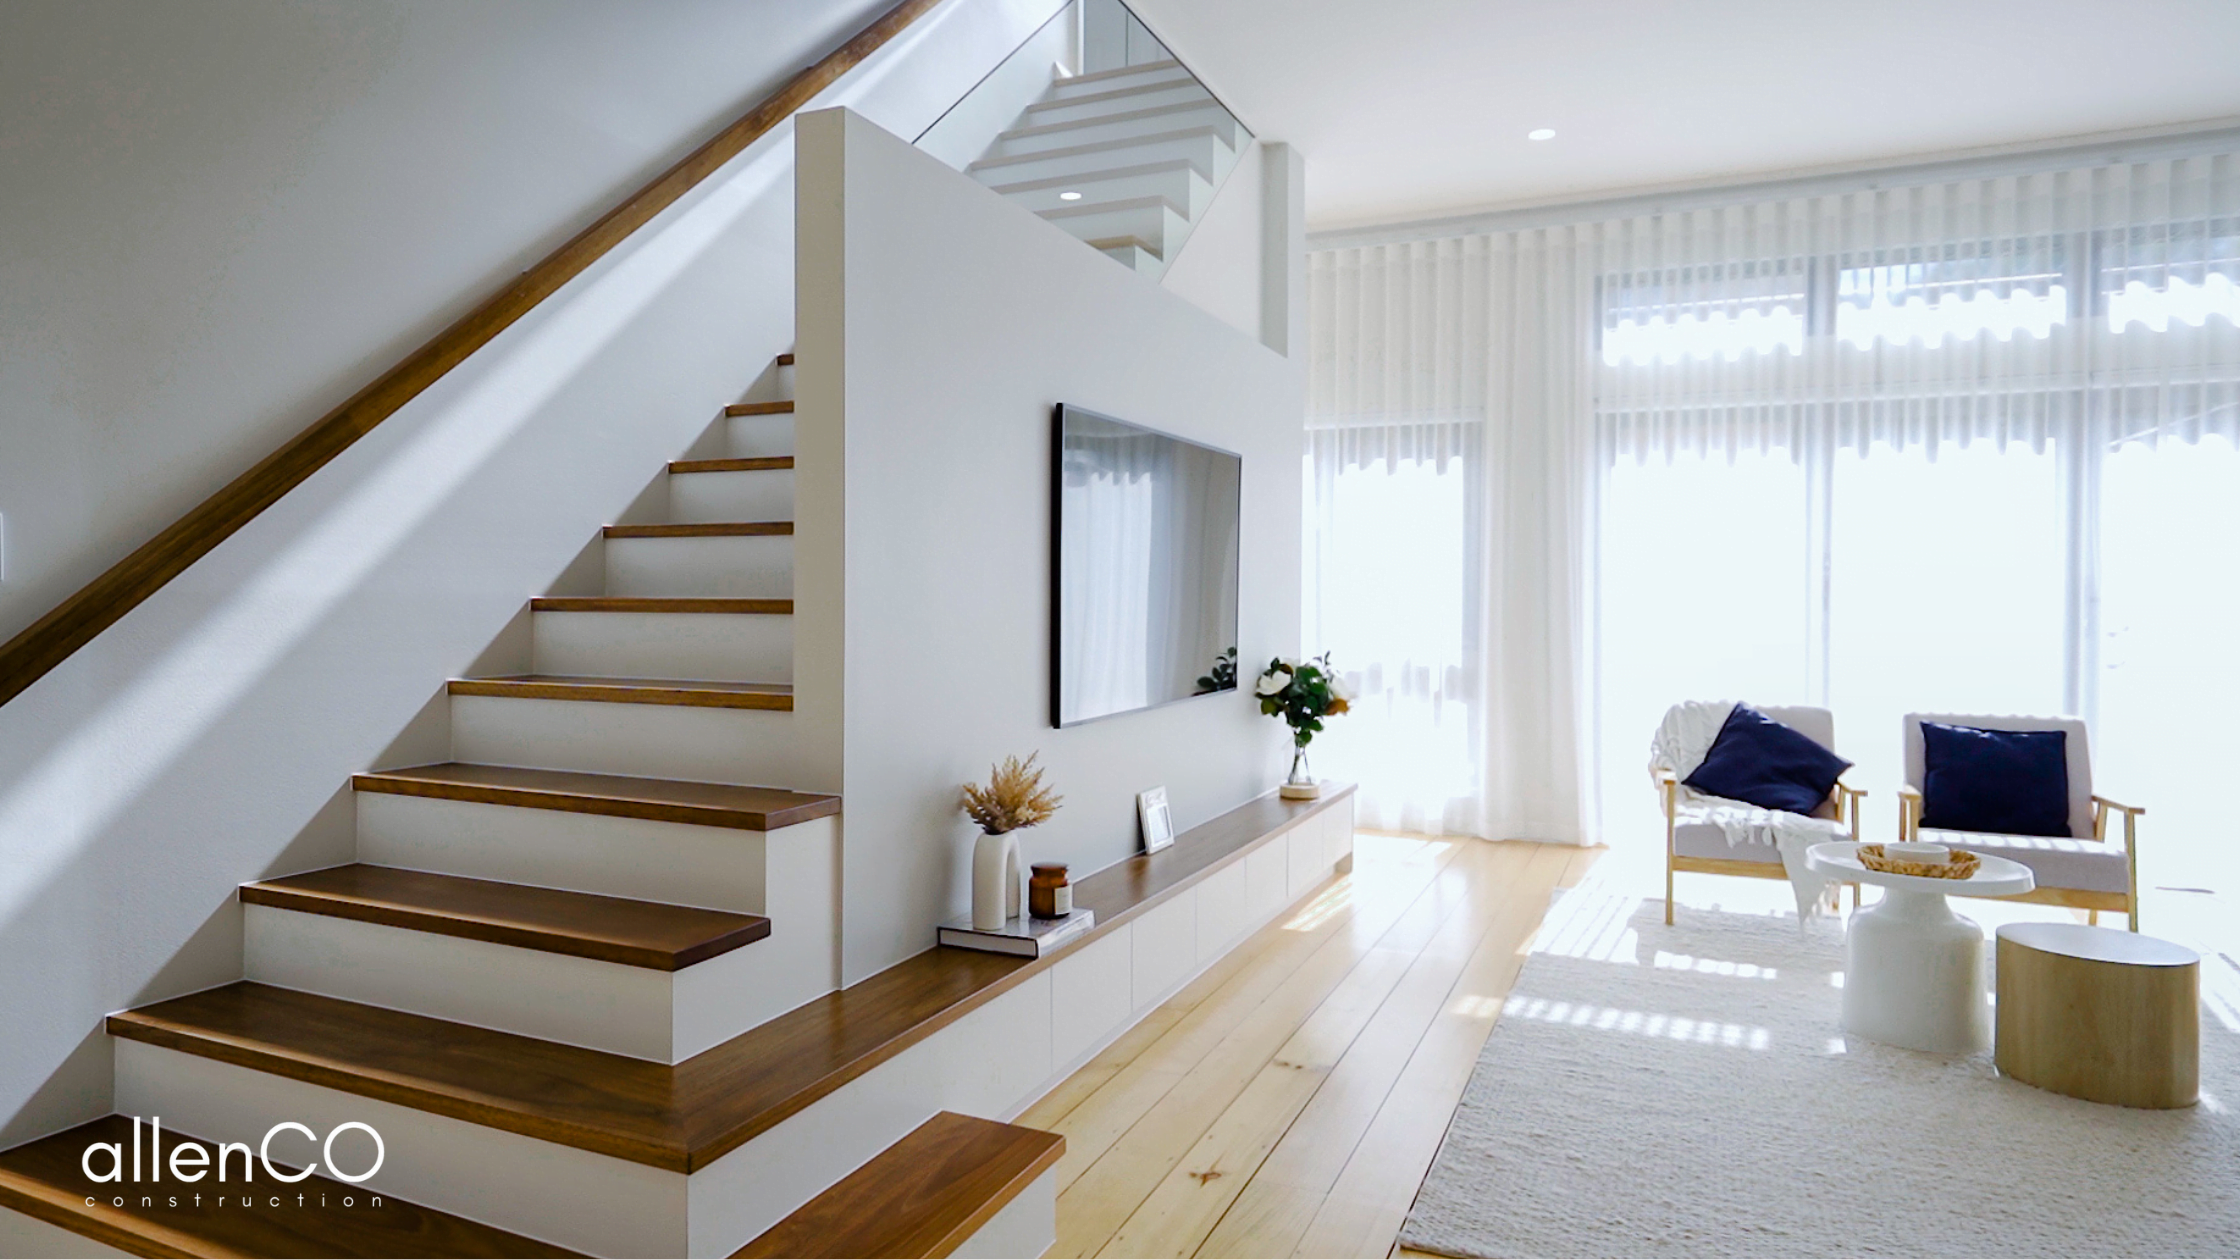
<point>1960,865</point>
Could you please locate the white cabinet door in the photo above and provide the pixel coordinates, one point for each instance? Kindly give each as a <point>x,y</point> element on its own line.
<point>1166,947</point>
<point>1307,866</point>
<point>1268,879</point>
<point>1337,833</point>
<point>1224,910</point>
<point>1092,993</point>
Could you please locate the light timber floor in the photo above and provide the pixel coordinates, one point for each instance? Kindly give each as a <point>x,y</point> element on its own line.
<point>1290,1100</point>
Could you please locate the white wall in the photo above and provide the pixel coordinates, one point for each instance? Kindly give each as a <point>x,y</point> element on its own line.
<point>221,219</point>
<point>1218,267</point>
<point>939,324</point>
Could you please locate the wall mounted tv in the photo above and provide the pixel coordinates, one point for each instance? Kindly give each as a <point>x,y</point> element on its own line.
<point>1145,559</point>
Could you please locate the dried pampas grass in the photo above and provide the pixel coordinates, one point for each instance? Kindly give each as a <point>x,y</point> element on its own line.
<point>1013,798</point>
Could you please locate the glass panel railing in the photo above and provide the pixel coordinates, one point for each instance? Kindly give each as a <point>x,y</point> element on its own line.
<point>1095,126</point>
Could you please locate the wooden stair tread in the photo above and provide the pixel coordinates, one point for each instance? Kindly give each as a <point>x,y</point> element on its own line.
<point>757,463</point>
<point>660,604</point>
<point>647,934</point>
<point>680,1118</point>
<point>615,795</point>
<point>692,693</point>
<point>923,1196</point>
<point>705,529</point>
<point>786,359</point>
<point>46,1179</point>
<point>684,1117</point>
<point>760,409</point>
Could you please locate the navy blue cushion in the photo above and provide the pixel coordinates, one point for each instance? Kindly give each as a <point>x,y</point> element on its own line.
<point>2014,783</point>
<point>1771,766</point>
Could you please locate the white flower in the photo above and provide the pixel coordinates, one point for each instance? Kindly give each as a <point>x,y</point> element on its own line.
<point>1273,682</point>
<point>1340,688</point>
<point>1290,664</point>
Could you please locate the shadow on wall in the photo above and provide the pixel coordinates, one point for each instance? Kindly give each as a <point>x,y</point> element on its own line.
<point>204,740</point>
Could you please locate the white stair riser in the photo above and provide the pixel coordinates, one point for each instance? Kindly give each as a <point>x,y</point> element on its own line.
<point>709,497</point>
<point>1209,114</point>
<point>748,566</point>
<point>1083,85</point>
<point>1183,186</point>
<point>1207,153</point>
<point>1157,224</point>
<point>1026,1226</point>
<point>571,1197</point>
<point>664,1016</point>
<point>773,386</point>
<point>759,437</point>
<point>1068,109</point>
<point>758,747</point>
<point>721,868</point>
<point>1136,258</point>
<point>718,647</point>
<point>577,1001</point>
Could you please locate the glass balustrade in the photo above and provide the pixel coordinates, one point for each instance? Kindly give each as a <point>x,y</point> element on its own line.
<point>1093,125</point>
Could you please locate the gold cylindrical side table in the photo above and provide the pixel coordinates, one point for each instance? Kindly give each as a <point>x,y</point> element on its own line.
<point>2107,1016</point>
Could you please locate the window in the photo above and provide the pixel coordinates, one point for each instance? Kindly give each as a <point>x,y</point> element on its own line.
<point>1982,476</point>
<point>1390,595</point>
<point>1953,292</point>
<point>1723,311</point>
<point>2185,272</point>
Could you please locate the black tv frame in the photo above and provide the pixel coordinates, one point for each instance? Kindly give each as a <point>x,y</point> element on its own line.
<point>1057,542</point>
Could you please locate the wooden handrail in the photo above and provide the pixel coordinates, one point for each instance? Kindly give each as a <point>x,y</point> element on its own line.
<point>72,624</point>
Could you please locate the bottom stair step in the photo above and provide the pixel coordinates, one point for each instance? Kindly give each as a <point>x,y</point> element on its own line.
<point>929,1194</point>
<point>46,1180</point>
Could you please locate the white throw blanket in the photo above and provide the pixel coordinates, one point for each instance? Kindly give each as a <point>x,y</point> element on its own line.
<point>1683,738</point>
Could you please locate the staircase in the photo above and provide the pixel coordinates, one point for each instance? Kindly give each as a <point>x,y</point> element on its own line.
<point>1125,159</point>
<point>535,934</point>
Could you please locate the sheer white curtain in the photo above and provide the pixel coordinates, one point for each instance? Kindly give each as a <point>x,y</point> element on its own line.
<point>1449,529</point>
<point>1867,450</point>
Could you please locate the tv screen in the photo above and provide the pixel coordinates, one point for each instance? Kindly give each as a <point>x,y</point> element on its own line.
<point>1146,560</point>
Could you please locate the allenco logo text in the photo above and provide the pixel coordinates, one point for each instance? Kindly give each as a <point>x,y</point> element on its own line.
<point>106,1162</point>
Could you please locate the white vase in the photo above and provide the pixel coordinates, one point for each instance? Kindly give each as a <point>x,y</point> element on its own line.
<point>995,880</point>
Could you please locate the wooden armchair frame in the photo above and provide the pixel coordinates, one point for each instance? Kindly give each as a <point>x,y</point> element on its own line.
<point>1909,828</point>
<point>1845,800</point>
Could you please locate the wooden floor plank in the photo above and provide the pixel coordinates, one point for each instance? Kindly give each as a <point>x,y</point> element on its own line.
<point>1111,1189</point>
<point>1094,1123</point>
<point>1369,1201</point>
<point>1186,1205</point>
<point>1294,1102</point>
<point>1273,1210</point>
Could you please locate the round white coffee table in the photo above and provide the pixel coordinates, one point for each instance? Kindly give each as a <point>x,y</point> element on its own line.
<point>1913,970</point>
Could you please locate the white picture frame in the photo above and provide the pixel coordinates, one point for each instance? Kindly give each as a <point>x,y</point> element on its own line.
<point>1158,823</point>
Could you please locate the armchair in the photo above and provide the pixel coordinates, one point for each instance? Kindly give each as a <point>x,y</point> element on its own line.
<point>1702,849</point>
<point>2082,870</point>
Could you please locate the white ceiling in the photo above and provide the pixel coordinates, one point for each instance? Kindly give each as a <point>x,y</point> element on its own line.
<point>1410,109</point>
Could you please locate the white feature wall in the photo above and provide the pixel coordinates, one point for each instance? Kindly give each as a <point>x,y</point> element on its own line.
<point>938,327</point>
<point>199,281</point>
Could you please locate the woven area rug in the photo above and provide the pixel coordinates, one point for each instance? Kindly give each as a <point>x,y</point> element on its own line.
<point>1686,1091</point>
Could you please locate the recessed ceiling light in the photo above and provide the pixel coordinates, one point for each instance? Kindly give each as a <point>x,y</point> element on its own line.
<point>1074,196</point>
<point>1542,133</point>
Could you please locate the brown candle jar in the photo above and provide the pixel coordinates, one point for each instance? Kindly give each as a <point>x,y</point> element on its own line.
<point>1049,896</point>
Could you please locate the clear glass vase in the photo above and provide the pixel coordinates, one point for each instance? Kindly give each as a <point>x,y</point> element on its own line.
<point>1300,775</point>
